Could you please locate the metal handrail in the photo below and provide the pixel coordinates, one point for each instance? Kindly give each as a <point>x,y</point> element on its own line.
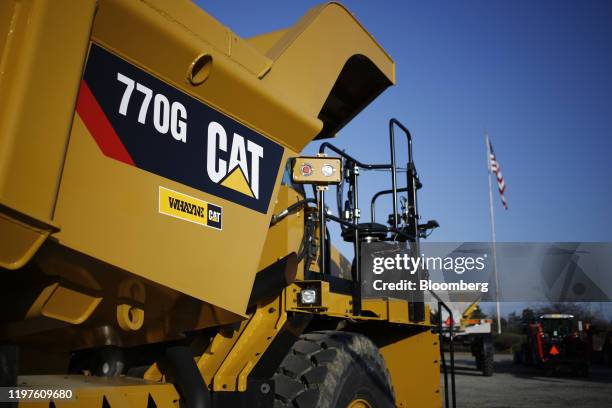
<point>441,305</point>
<point>380,193</point>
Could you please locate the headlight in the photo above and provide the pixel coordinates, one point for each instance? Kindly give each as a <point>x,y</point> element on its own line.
<point>308,296</point>
<point>327,170</point>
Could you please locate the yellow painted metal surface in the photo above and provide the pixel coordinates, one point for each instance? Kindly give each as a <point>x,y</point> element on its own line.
<point>219,348</point>
<point>22,241</point>
<point>328,34</point>
<point>126,199</point>
<point>413,362</point>
<point>137,31</point>
<point>43,44</point>
<point>262,328</point>
<point>235,351</point>
<point>167,313</point>
<point>397,311</point>
<point>60,303</point>
<point>284,237</point>
<point>90,392</point>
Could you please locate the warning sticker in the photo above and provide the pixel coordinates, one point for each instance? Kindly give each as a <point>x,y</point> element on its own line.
<point>185,207</point>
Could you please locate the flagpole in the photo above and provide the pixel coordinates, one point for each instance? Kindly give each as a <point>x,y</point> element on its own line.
<point>493,238</point>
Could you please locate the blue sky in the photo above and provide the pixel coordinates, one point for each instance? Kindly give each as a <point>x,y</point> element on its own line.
<point>536,74</point>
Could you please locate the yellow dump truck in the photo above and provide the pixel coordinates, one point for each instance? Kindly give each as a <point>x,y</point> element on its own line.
<point>160,245</point>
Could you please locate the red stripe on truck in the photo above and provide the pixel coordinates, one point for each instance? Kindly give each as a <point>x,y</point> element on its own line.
<point>98,125</point>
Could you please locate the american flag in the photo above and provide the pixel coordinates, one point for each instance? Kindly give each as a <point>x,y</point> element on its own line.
<point>496,169</point>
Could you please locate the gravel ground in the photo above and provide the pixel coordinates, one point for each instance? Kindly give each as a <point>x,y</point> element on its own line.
<point>526,387</point>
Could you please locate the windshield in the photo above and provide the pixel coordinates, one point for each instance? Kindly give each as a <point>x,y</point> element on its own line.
<point>557,327</point>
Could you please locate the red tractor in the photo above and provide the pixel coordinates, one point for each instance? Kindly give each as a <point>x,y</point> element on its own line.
<point>554,342</point>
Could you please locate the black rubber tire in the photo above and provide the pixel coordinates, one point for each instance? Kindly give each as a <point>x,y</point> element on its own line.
<point>487,364</point>
<point>484,352</point>
<point>329,369</point>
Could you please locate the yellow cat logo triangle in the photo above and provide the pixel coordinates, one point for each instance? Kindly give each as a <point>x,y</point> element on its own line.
<point>237,181</point>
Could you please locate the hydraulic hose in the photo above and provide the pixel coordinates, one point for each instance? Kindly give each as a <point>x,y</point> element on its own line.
<point>293,207</point>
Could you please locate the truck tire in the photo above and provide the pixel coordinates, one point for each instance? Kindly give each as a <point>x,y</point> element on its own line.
<point>483,351</point>
<point>487,363</point>
<point>330,369</point>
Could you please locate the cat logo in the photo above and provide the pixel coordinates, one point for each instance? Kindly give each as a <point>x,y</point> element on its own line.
<point>233,172</point>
